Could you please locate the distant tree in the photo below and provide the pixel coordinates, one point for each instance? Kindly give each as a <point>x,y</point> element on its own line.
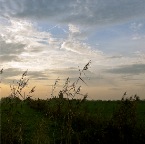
<point>60,95</point>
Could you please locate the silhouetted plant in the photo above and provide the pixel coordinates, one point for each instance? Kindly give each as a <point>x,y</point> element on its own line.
<point>16,90</point>
<point>66,120</point>
<point>124,120</point>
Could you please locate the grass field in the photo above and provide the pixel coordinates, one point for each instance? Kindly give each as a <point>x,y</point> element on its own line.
<point>72,121</point>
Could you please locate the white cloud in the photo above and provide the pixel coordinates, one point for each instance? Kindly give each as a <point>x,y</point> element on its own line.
<point>44,56</point>
<point>21,31</point>
<point>21,40</point>
<point>42,49</point>
<point>137,30</point>
<point>75,46</point>
<point>136,26</point>
<point>73,28</point>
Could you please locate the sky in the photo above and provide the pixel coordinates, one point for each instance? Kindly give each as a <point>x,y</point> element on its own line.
<point>56,38</point>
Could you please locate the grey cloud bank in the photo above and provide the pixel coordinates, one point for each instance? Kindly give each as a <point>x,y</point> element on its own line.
<point>84,12</point>
<point>11,48</point>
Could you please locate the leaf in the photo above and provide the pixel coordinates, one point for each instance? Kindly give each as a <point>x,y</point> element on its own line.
<point>82,80</point>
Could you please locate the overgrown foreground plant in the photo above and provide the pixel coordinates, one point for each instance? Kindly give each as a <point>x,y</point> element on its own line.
<point>64,111</point>
<point>125,126</point>
<point>66,120</point>
<point>11,110</point>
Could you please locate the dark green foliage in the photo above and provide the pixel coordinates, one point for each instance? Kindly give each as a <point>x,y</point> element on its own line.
<point>71,121</point>
<point>124,124</point>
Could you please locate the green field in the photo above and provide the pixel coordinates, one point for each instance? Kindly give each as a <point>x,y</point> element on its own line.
<point>72,121</point>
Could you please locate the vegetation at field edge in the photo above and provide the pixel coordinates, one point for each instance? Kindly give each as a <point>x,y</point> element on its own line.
<point>68,120</point>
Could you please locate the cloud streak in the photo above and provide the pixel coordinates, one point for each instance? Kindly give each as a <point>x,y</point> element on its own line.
<point>134,69</point>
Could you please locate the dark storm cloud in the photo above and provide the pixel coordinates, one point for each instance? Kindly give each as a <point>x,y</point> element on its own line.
<point>38,75</point>
<point>11,72</point>
<point>32,75</point>
<point>129,69</point>
<point>8,58</point>
<point>11,48</point>
<point>115,57</point>
<point>10,51</point>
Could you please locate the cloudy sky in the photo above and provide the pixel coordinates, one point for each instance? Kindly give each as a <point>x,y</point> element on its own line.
<point>54,38</point>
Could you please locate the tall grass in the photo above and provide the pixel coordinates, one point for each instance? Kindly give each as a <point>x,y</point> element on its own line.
<point>66,120</point>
